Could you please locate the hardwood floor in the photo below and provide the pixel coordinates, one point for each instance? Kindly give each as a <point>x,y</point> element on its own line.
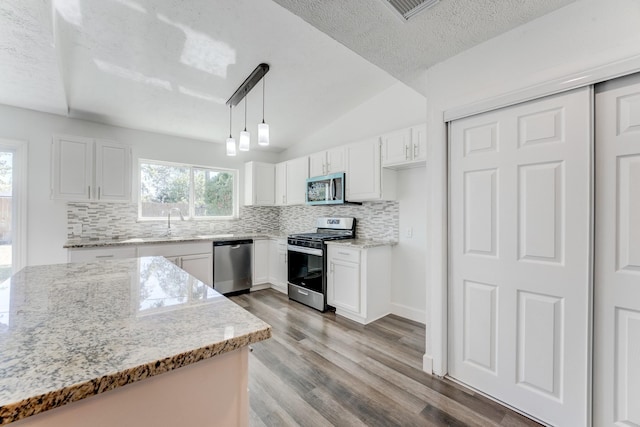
<point>322,370</point>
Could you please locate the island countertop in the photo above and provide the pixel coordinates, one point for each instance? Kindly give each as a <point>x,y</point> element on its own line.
<point>71,331</point>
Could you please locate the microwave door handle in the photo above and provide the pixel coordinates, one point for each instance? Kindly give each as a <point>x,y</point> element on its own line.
<point>332,188</point>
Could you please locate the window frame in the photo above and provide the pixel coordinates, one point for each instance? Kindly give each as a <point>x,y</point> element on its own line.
<point>190,216</point>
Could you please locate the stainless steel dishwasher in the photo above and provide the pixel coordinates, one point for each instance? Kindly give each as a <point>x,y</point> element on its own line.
<point>232,266</point>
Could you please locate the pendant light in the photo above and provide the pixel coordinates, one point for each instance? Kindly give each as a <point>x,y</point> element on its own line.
<point>263,128</point>
<point>244,142</point>
<point>231,143</point>
<point>245,138</point>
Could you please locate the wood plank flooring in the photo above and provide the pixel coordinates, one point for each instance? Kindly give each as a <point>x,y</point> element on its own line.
<point>320,369</point>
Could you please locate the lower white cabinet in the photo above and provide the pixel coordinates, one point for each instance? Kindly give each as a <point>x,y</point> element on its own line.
<point>278,264</point>
<point>96,254</point>
<point>359,282</point>
<point>194,258</point>
<point>260,262</point>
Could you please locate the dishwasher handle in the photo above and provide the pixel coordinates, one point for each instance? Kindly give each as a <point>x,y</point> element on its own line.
<point>233,243</point>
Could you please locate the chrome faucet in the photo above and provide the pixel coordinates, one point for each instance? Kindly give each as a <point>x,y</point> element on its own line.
<point>168,233</point>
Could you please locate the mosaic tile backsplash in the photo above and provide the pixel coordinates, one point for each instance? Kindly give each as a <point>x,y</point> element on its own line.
<point>374,220</point>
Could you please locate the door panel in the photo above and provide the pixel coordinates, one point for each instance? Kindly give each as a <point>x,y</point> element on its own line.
<point>520,239</point>
<point>480,324</point>
<point>617,254</point>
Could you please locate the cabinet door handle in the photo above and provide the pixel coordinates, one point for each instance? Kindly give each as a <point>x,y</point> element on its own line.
<point>104,256</point>
<point>98,193</point>
<point>415,150</point>
<point>89,191</point>
<point>331,267</point>
<point>406,152</point>
<point>328,167</point>
<point>344,253</point>
<point>303,292</point>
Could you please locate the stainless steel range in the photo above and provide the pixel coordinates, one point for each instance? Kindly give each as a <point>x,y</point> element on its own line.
<point>307,263</point>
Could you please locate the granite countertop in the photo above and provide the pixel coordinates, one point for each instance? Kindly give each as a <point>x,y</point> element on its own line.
<point>360,243</point>
<point>129,241</point>
<point>71,331</point>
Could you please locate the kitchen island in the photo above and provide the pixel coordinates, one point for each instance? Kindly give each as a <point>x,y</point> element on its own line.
<point>122,342</point>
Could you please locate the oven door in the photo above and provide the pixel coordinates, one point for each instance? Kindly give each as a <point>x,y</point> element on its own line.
<point>305,267</point>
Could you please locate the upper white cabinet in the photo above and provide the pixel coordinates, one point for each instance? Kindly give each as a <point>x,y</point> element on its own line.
<point>259,184</point>
<point>281,184</point>
<point>84,169</point>
<point>365,179</point>
<point>290,181</point>
<point>297,174</point>
<point>72,168</point>
<point>113,171</point>
<point>405,147</point>
<point>327,162</point>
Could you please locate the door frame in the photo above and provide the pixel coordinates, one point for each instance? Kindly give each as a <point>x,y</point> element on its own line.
<point>435,359</point>
<point>19,208</point>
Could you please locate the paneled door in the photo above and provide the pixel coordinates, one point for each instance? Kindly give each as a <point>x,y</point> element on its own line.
<point>617,260</point>
<point>520,239</point>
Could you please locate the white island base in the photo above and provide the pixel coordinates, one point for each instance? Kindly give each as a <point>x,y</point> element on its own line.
<point>211,392</point>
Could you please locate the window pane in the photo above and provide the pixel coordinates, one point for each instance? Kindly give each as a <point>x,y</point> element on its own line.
<point>213,191</point>
<point>163,187</point>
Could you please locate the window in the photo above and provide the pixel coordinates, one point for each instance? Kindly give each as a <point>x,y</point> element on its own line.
<point>198,192</point>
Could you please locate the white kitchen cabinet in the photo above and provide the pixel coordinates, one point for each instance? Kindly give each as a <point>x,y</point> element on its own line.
<point>96,254</point>
<point>359,282</point>
<point>113,171</point>
<point>259,184</point>
<point>195,258</point>
<point>327,162</point>
<point>278,264</point>
<point>260,261</point>
<point>291,177</point>
<point>366,180</point>
<point>281,184</point>
<point>199,266</point>
<point>297,174</point>
<point>404,148</point>
<point>83,169</point>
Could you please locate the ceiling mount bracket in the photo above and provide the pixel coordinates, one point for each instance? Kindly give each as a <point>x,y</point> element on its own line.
<point>246,86</point>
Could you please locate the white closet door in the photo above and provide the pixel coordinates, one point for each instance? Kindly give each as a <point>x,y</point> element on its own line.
<point>617,265</point>
<point>520,238</point>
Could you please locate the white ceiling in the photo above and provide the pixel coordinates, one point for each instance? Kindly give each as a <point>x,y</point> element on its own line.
<point>406,48</point>
<point>170,65</point>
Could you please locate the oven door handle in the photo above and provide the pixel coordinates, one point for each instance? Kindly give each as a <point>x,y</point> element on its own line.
<point>302,249</point>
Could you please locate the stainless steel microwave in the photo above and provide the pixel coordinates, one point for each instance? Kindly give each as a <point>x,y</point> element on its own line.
<point>326,189</point>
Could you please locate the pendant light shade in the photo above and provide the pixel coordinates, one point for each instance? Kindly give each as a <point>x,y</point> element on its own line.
<point>263,128</point>
<point>245,138</point>
<point>263,134</point>
<point>231,143</point>
<point>231,146</point>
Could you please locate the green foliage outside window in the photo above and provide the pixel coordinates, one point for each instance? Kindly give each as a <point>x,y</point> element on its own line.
<point>167,186</point>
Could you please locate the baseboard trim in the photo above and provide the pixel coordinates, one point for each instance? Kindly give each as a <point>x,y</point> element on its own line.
<point>427,364</point>
<point>410,313</point>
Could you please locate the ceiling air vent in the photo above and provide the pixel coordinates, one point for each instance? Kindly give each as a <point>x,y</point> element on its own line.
<point>407,9</point>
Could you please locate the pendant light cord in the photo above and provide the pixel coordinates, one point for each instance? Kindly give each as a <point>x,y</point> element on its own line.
<point>245,114</point>
<point>230,112</point>
<point>263,83</point>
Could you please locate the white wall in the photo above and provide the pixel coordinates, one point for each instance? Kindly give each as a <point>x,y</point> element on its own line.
<point>408,291</point>
<point>583,35</point>
<point>47,219</point>
<point>395,108</point>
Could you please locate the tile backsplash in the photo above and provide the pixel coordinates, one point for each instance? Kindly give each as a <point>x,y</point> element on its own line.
<point>374,220</point>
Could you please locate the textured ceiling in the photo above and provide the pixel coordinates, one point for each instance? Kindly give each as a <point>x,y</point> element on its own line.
<point>169,65</point>
<point>406,48</point>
